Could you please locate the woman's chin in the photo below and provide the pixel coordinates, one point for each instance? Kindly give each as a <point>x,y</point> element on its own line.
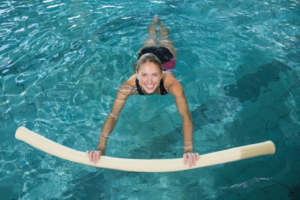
<point>149,91</point>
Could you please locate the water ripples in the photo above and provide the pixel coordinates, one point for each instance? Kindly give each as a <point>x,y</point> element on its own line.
<point>61,63</point>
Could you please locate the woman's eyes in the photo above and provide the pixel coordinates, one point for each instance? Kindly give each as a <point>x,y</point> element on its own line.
<point>144,75</point>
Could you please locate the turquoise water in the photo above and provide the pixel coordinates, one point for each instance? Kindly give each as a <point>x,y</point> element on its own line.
<point>61,63</point>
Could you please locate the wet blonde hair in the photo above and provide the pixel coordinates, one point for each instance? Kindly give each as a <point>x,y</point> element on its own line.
<point>148,57</point>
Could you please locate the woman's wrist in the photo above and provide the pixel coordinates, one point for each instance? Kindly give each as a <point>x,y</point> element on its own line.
<point>99,148</point>
<point>188,149</point>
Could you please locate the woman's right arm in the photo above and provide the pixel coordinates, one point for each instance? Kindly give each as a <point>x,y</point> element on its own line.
<point>123,93</point>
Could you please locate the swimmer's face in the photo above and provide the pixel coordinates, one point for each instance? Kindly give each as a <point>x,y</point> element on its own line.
<point>149,76</point>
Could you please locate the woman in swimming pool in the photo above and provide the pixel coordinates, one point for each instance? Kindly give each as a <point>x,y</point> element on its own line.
<point>150,78</point>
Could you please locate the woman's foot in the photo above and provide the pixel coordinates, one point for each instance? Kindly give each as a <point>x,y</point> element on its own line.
<point>162,24</point>
<point>156,19</point>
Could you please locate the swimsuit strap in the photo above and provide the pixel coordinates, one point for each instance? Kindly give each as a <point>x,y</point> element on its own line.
<point>138,87</point>
<point>163,91</point>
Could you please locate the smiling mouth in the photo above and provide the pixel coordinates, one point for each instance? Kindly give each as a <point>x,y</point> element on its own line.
<point>149,87</point>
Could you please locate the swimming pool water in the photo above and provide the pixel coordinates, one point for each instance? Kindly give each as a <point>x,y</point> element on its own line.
<point>61,63</point>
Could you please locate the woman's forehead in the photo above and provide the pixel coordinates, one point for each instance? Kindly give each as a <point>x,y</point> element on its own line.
<point>149,66</point>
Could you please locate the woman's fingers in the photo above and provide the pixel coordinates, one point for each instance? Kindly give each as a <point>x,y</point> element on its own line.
<point>89,154</point>
<point>190,158</point>
<point>94,156</point>
<point>185,158</point>
<point>98,156</point>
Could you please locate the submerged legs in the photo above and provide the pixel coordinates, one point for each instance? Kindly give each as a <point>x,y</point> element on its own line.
<point>164,40</point>
<point>151,39</point>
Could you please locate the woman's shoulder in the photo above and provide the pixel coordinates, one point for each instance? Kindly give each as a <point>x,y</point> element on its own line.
<point>172,85</point>
<point>169,79</point>
<point>128,87</point>
<point>131,81</point>
<point>168,75</point>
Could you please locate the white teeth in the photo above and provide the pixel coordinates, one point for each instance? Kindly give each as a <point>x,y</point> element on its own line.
<point>150,86</point>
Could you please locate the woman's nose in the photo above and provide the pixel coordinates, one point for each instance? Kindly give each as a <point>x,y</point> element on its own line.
<point>149,80</point>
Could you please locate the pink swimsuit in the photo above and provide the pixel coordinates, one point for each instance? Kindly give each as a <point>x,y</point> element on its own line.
<point>163,54</point>
<point>169,65</point>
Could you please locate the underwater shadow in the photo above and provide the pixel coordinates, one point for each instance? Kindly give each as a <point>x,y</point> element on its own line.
<point>262,97</point>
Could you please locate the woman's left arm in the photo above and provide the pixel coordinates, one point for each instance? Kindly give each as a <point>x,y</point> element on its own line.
<point>187,125</point>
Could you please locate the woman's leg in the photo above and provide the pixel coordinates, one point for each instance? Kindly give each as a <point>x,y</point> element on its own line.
<point>165,41</point>
<point>151,39</point>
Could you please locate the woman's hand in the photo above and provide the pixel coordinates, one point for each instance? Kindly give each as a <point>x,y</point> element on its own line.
<point>190,158</point>
<point>94,156</point>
